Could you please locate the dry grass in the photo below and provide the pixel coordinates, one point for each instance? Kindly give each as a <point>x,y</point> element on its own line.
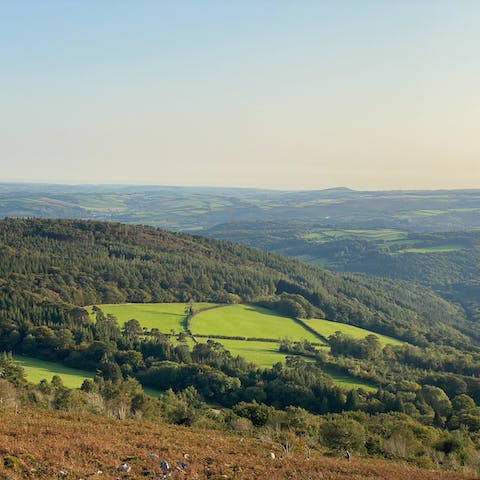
<point>38,444</point>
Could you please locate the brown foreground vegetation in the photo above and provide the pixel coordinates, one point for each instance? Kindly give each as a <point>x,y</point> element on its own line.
<point>42,444</point>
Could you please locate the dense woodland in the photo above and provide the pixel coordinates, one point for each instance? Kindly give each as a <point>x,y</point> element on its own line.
<point>428,392</point>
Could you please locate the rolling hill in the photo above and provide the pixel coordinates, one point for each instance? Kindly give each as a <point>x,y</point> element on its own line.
<point>61,265</point>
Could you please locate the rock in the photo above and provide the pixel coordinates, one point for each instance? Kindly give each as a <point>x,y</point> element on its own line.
<point>124,468</point>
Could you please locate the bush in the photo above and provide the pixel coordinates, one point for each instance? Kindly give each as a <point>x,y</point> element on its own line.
<point>341,433</point>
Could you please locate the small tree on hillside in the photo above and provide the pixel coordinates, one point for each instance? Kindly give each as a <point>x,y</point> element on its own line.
<point>342,433</point>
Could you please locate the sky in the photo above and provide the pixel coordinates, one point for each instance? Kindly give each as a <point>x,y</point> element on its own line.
<point>300,94</point>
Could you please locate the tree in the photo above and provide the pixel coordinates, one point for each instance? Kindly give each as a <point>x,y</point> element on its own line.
<point>342,433</point>
<point>437,399</point>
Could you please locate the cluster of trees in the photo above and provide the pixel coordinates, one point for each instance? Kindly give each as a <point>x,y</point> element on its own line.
<point>393,435</point>
<point>368,348</point>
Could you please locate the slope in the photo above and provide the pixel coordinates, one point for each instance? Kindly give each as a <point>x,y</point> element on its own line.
<point>47,443</point>
<point>50,268</point>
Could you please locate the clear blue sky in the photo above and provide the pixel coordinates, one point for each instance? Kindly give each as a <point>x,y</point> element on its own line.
<point>299,94</point>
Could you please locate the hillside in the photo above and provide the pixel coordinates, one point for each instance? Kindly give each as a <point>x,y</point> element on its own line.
<point>447,262</point>
<point>61,265</point>
<point>46,443</point>
<point>422,394</point>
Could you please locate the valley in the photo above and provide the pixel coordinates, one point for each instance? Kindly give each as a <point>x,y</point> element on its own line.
<point>192,331</point>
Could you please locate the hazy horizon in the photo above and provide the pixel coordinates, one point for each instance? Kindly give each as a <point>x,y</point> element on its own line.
<point>280,95</point>
<point>226,187</point>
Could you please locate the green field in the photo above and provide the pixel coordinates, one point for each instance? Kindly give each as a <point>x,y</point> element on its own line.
<point>236,320</point>
<point>263,354</point>
<point>343,380</point>
<point>248,321</point>
<point>433,249</point>
<point>327,328</point>
<point>164,316</point>
<point>36,370</point>
<point>381,234</point>
<point>266,354</point>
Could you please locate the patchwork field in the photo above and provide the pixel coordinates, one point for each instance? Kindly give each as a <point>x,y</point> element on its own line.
<point>36,370</point>
<point>327,328</point>
<point>248,321</point>
<point>164,316</point>
<point>240,320</point>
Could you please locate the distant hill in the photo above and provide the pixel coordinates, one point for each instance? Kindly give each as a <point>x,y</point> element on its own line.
<point>197,208</point>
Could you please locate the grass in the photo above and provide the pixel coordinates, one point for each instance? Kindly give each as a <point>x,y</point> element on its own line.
<point>230,320</point>
<point>263,354</point>
<point>382,234</point>
<point>347,382</point>
<point>36,370</point>
<point>248,321</point>
<point>266,354</point>
<point>433,249</point>
<point>327,328</point>
<point>164,316</point>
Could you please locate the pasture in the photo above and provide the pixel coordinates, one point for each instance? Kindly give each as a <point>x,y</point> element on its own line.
<point>433,249</point>
<point>248,321</point>
<point>266,354</point>
<point>164,316</point>
<point>327,328</point>
<point>381,234</point>
<point>347,382</point>
<point>263,354</point>
<point>36,370</point>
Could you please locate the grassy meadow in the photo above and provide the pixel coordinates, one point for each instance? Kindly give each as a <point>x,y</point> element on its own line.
<point>37,370</point>
<point>266,354</point>
<point>434,249</point>
<point>263,354</point>
<point>239,320</point>
<point>164,316</point>
<point>248,321</point>
<point>327,328</point>
<point>230,320</point>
